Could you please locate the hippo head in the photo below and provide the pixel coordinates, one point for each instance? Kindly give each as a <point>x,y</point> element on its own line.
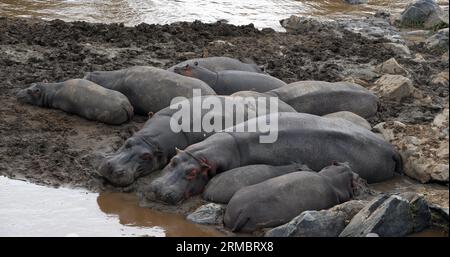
<point>184,176</point>
<point>34,95</point>
<point>135,158</point>
<point>194,71</point>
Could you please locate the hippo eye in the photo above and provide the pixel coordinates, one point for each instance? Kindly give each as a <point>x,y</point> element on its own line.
<point>196,63</point>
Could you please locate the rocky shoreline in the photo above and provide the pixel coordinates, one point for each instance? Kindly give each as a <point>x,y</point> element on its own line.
<point>406,68</point>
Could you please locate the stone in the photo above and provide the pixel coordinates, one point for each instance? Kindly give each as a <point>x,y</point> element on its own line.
<point>394,87</point>
<point>389,216</point>
<point>419,58</point>
<point>420,210</point>
<point>387,130</point>
<point>299,24</point>
<point>391,66</point>
<point>356,1</point>
<point>208,214</point>
<point>325,223</point>
<point>423,13</point>
<point>398,49</point>
<point>438,40</point>
<point>441,120</point>
<point>440,79</point>
<point>439,216</point>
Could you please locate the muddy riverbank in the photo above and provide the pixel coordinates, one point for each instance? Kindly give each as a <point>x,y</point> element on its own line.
<point>53,148</point>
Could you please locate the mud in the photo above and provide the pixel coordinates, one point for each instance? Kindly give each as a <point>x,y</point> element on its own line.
<point>53,148</point>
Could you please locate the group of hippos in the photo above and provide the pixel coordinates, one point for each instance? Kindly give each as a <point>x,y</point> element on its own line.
<point>324,142</point>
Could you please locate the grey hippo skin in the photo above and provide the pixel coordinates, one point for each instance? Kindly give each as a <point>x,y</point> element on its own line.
<point>230,81</point>
<point>320,98</point>
<point>303,138</point>
<point>220,64</point>
<point>150,148</point>
<point>81,97</point>
<point>278,200</point>
<point>350,116</point>
<point>282,106</point>
<point>223,186</point>
<point>149,89</point>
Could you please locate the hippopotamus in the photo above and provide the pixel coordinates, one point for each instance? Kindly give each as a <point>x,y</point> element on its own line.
<point>150,148</point>
<point>149,89</point>
<point>350,116</point>
<point>278,200</point>
<point>320,98</point>
<point>81,97</point>
<point>282,106</point>
<point>304,138</point>
<point>223,186</point>
<point>230,81</point>
<point>220,64</point>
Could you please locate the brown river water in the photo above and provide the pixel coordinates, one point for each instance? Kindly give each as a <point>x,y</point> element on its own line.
<point>31,210</point>
<point>262,13</point>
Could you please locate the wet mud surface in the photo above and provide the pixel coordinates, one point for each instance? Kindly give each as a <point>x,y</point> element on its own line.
<point>50,147</point>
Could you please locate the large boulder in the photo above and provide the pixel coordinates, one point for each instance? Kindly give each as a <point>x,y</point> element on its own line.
<point>326,223</point>
<point>423,13</point>
<point>394,87</point>
<point>390,215</point>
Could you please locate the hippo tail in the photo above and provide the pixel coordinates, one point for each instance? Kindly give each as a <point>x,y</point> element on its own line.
<point>398,162</point>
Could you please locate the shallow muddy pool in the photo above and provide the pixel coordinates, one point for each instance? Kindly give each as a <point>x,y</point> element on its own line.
<point>31,210</point>
<point>262,13</point>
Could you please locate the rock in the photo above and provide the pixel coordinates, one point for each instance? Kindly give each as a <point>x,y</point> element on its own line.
<point>390,215</point>
<point>398,49</point>
<point>420,210</point>
<point>391,66</point>
<point>444,58</point>
<point>441,120</point>
<point>356,1</point>
<point>394,87</point>
<point>423,13</point>
<point>418,58</point>
<point>350,116</point>
<point>439,216</point>
<point>210,214</point>
<point>372,235</point>
<point>387,129</point>
<point>299,24</point>
<point>440,79</point>
<point>438,40</point>
<point>325,223</point>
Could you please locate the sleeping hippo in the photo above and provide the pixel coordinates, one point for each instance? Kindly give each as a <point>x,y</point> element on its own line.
<point>219,64</point>
<point>278,200</point>
<point>303,138</point>
<point>149,89</point>
<point>230,81</point>
<point>150,148</point>
<point>320,98</point>
<point>223,186</point>
<point>81,97</point>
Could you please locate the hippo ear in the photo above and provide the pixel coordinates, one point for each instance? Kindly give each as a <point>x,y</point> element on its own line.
<point>45,81</point>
